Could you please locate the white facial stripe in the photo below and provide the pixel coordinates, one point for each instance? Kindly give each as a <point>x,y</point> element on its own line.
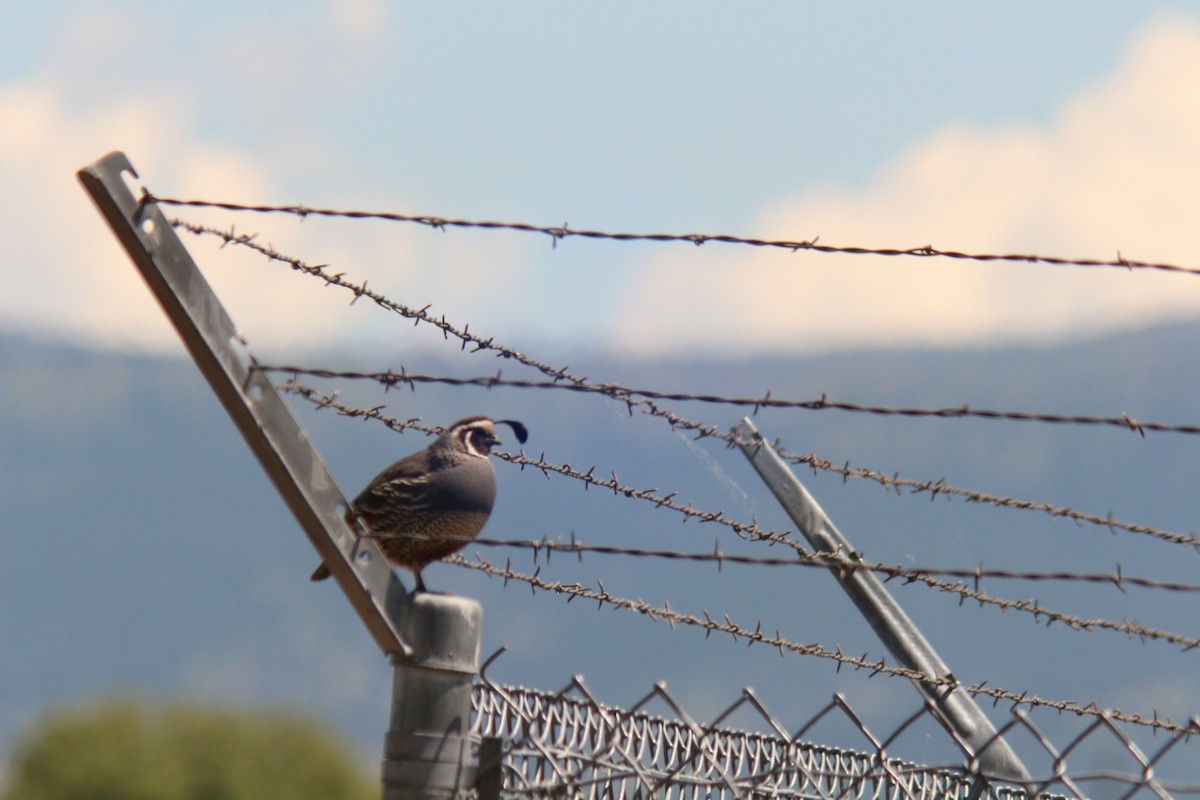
<point>468,433</point>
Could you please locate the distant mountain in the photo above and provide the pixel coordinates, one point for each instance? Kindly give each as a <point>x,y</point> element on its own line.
<point>144,550</point>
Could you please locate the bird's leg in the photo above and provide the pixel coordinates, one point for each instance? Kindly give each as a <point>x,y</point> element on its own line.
<point>420,582</point>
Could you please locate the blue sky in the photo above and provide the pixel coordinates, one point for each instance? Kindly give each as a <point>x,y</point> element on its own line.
<point>1065,130</point>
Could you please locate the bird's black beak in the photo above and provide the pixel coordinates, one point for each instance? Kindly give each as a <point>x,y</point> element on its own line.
<point>519,429</point>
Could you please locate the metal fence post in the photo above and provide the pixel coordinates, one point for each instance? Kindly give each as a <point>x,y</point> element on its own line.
<point>427,749</point>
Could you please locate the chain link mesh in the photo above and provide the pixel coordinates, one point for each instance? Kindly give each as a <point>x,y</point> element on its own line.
<point>569,745</point>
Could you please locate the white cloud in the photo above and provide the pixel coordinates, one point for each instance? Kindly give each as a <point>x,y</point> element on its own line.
<point>69,279</point>
<point>63,272</point>
<point>67,276</point>
<point>1115,171</point>
<point>361,22</point>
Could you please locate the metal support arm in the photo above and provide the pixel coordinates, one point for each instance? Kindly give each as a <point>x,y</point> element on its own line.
<point>898,633</point>
<point>252,401</point>
<point>433,639</point>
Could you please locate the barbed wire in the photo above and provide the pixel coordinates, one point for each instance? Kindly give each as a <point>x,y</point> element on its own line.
<point>676,421</point>
<point>850,563</point>
<point>823,559</point>
<point>816,463</point>
<point>941,487</point>
<point>753,532</point>
<point>564,231</point>
<point>418,316</point>
<point>927,577</point>
<point>756,636</point>
<point>390,379</point>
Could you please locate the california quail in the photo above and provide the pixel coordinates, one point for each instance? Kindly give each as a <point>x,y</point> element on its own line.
<point>432,503</point>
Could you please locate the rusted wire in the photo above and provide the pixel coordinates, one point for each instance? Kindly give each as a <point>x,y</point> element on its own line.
<point>560,232</point>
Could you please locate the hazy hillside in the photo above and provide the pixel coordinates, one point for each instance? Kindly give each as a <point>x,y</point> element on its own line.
<point>144,550</point>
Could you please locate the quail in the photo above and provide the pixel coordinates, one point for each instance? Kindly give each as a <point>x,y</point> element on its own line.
<point>432,503</point>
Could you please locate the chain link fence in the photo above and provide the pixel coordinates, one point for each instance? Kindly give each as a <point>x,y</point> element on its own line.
<point>569,745</point>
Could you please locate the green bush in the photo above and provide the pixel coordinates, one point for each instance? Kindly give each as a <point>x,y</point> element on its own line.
<point>134,750</point>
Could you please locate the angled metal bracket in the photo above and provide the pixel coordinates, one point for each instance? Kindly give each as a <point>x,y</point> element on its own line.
<point>956,709</point>
<point>260,414</point>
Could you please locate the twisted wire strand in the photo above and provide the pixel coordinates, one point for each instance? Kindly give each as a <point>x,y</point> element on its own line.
<point>823,559</point>
<point>816,463</point>
<point>676,421</point>
<point>926,577</point>
<point>842,561</point>
<point>421,315</point>
<point>940,487</point>
<point>564,231</point>
<point>756,636</point>
<point>390,379</point>
<point>847,564</point>
<point>753,532</point>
